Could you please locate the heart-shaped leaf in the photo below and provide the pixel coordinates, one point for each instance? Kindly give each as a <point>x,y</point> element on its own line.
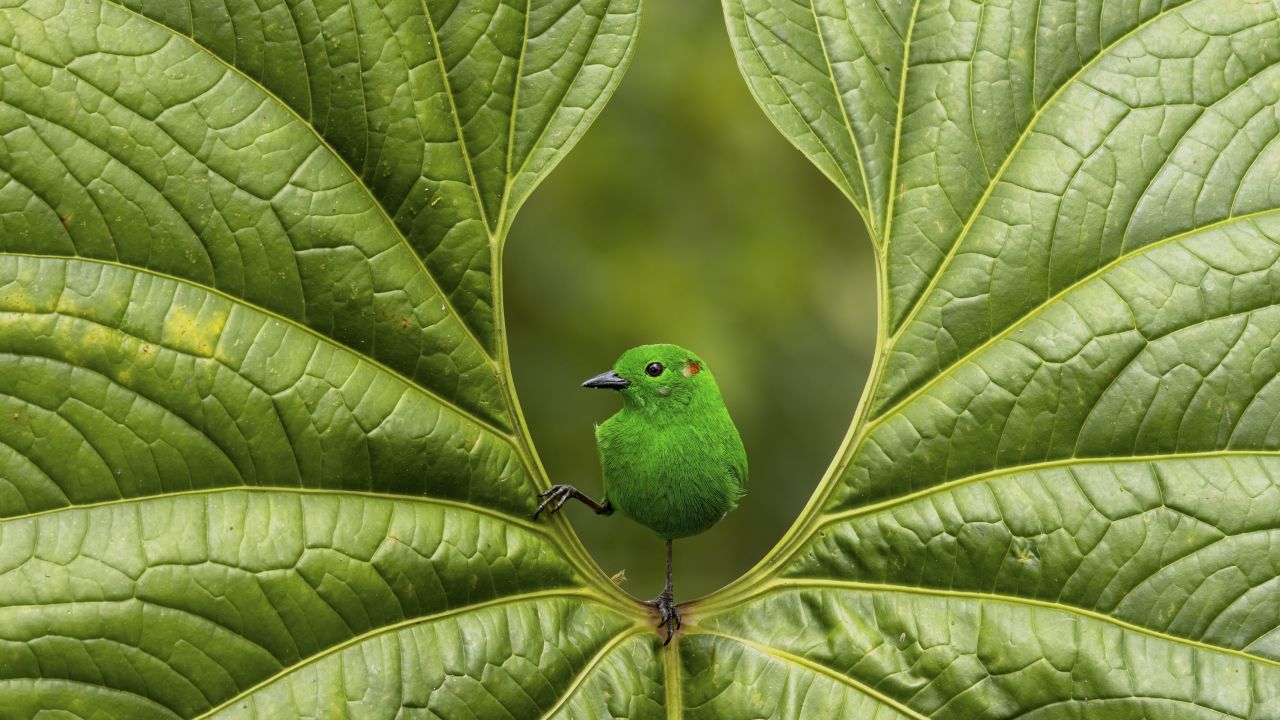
<point>260,454</point>
<point>1060,496</point>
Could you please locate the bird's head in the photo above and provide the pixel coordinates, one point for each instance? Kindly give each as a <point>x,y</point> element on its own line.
<point>656,376</point>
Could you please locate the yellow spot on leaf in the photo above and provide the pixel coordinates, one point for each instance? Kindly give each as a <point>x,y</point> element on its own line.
<point>192,333</point>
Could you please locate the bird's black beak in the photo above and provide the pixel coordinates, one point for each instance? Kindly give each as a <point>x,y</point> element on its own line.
<point>608,380</point>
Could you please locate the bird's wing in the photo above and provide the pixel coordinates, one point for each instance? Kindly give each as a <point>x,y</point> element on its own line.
<point>739,470</point>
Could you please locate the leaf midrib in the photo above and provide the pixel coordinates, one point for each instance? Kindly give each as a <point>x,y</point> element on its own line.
<point>509,179</point>
<point>844,183</point>
<point>1013,153</point>
<point>450,405</point>
<point>821,583</point>
<point>765,572</point>
<point>1049,302</point>
<point>832,518</point>
<point>818,668</point>
<point>893,166</point>
<point>581,677</point>
<point>870,214</point>
<point>356,177</point>
<point>520,522</point>
<point>457,124</point>
<point>394,627</point>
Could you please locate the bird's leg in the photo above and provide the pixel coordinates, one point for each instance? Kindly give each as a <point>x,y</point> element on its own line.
<point>668,615</point>
<point>558,495</point>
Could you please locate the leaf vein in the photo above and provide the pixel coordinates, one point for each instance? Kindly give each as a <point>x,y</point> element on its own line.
<point>801,583</point>
<point>1004,166</point>
<point>818,668</point>
<point>357,178</point>
<point>387,629</point>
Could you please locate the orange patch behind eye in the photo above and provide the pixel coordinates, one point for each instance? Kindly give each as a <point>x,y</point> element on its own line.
<point>691,368</point>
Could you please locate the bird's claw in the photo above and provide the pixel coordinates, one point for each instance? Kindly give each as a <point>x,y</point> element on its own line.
<point>554,499</point>
<point>668,614</point>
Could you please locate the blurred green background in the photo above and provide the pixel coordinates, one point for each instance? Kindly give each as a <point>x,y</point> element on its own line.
<point>683,216</point>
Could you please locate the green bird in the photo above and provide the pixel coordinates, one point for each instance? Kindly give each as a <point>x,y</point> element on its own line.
<point>672,457</point>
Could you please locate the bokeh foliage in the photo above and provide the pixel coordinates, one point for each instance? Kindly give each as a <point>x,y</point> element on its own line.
<point>670,223</point>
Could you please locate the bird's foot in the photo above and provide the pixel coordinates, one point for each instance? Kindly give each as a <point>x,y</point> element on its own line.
<point>668,615</point>
<point>554,499</point>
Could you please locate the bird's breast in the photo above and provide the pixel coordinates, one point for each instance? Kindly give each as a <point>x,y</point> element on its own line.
<point>677,484</point>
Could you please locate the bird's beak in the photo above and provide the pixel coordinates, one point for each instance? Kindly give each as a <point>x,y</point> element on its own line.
<point>608,380</point>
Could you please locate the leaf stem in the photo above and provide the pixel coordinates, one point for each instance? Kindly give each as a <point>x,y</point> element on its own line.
<point>672,682</point>
<point>809,516</point>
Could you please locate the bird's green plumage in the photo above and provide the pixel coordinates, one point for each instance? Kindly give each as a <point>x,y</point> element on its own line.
<point>672,457</point>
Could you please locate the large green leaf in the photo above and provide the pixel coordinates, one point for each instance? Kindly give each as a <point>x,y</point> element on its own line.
<point>260,455</point>
<point>1060,497</point>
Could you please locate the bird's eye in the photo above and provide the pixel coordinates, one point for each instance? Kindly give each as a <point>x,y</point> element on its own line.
<point>654,369</point>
